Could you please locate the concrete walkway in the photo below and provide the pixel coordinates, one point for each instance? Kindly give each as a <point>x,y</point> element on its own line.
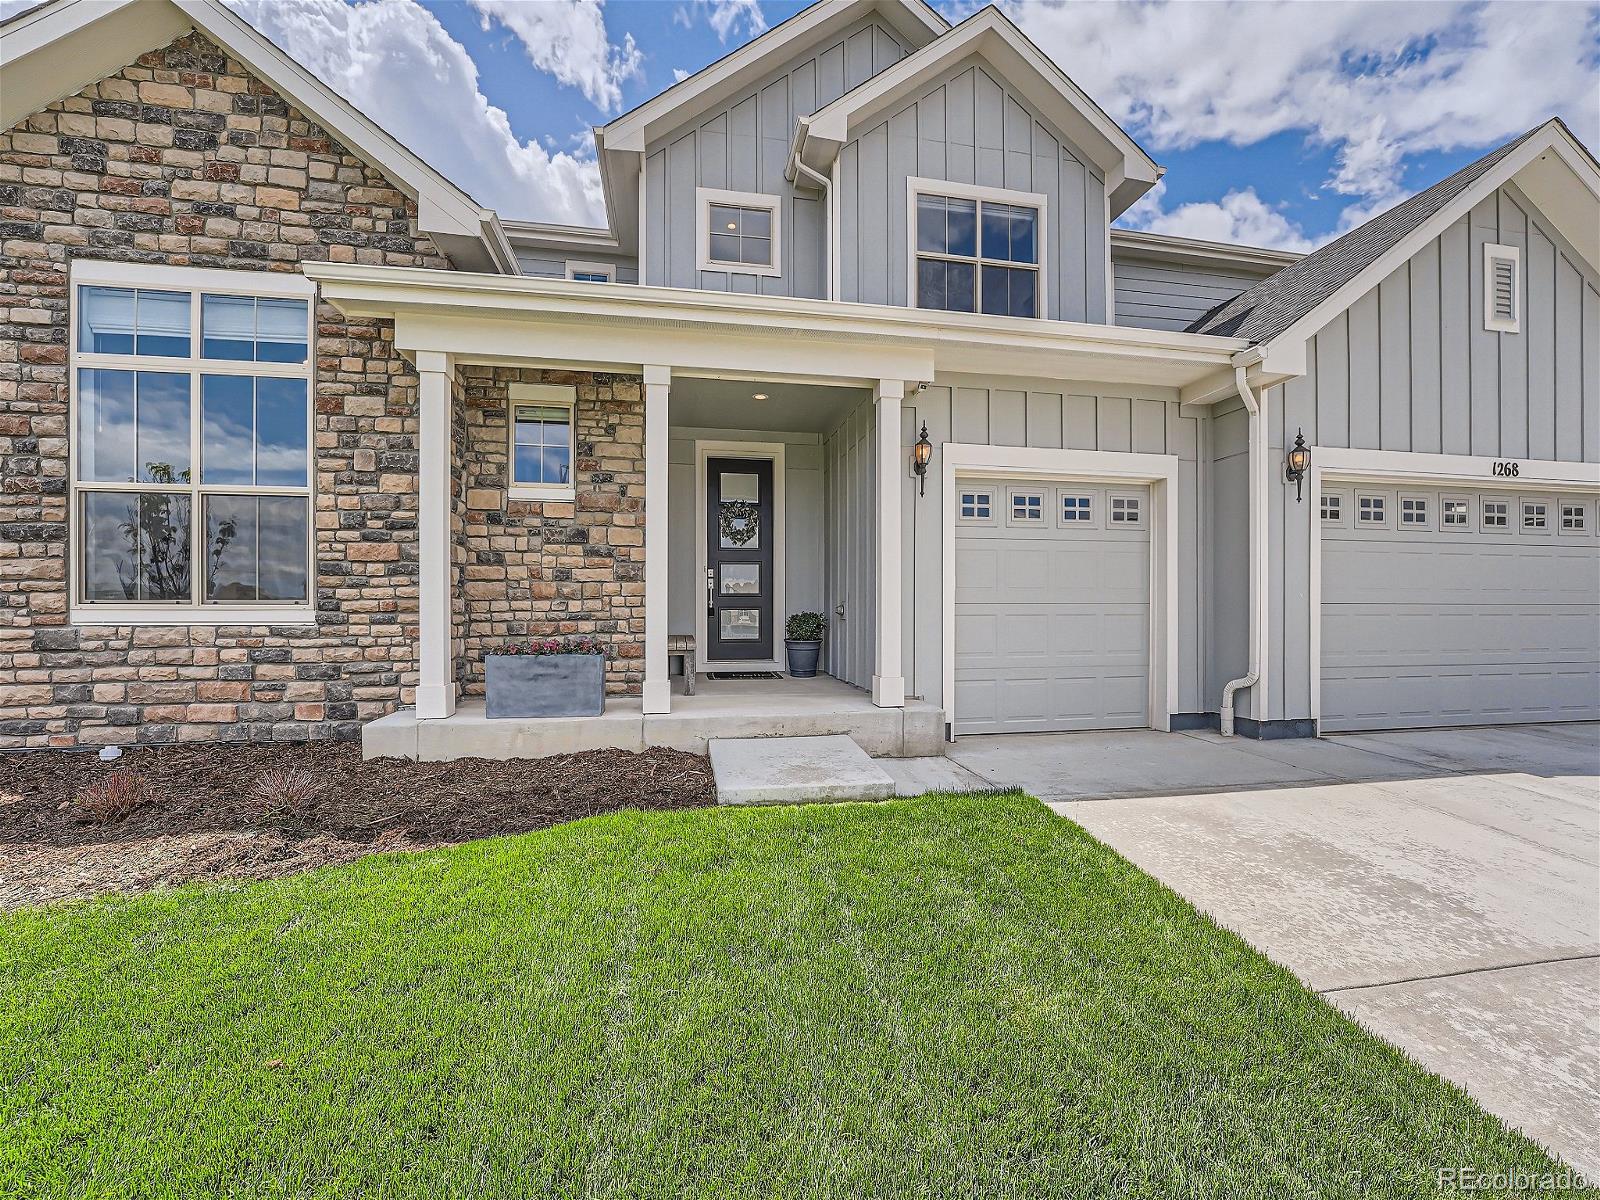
<point>1442,887</point>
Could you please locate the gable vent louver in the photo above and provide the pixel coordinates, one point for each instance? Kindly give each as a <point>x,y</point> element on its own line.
<point>1501,311</point>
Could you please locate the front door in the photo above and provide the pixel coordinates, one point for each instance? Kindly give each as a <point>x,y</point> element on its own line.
<point>739,578</point>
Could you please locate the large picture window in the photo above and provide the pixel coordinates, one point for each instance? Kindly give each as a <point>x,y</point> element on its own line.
<point>976,249</point>
<point>191,447</point>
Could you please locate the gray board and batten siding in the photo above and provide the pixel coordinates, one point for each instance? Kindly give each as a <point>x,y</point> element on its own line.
<point>546,264</point>
<point>1155,294</point>
<point>743,146</point>
<point>969,128</point>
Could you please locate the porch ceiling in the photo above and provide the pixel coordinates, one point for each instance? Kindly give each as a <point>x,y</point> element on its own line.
<point>788,407</point>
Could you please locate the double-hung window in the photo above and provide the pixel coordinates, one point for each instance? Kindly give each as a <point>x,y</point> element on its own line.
<point>191,473</point>
<point>977,249</point>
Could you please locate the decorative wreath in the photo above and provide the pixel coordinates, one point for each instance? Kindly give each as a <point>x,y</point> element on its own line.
<point>738,521</point>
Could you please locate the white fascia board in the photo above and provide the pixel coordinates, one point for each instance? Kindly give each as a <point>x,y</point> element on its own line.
<point>1129,171</point>
<point>561,239</point>
<point>1161,247</point>
<point>1290,345</point>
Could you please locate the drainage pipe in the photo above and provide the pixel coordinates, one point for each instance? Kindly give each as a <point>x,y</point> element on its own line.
<point>1257,466</point>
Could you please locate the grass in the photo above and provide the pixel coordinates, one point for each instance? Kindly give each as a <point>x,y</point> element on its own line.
<point>956,996</point>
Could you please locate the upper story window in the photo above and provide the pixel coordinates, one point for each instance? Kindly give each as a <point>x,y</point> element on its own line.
<point>977,249</point>
<point>590,272</point>
<point>541,441</point>
<point>739,231</point>
<point>191,473</point>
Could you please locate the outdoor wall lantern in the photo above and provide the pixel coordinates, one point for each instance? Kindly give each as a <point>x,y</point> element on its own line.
<point>921,455</point>
<point>1298,463</point>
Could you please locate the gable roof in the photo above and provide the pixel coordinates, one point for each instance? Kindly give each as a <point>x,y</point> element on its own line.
<point>1308,293</point>
<point>1129,172</point>
<point>61,47</point>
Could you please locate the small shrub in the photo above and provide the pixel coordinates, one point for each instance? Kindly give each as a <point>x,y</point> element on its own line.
<point>805,627</point>
<point>288,791</point>
<point>113,796</point>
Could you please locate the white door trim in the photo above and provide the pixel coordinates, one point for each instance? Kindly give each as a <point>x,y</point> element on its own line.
<point>1460,470</point>
<point>1159,471</point>
<point>772,451</point>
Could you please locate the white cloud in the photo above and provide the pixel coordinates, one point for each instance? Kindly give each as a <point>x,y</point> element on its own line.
<point>1240,217</point>
<point>567,39</point>
<point>679,74</point>
<point>1376,82</point>
<point>396,63</point>
<point>727,16</point>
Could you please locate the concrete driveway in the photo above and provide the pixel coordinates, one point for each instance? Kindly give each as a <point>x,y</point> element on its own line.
<point>1441,887</point>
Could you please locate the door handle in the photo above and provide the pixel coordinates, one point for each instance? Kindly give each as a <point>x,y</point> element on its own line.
<point>711,592</point>
<point>838,610</point>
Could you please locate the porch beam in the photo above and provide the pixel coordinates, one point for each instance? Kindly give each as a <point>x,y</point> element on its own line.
<point>436,688</point>
<point>657,695</point>
<point>888,678</point>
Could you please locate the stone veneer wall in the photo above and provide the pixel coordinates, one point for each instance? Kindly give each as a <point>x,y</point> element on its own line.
<point>185,158</point>
<point>546,569</point>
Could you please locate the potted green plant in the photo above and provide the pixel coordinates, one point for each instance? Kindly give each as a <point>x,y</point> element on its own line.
<point>550,677</point>
<point>802,637</point>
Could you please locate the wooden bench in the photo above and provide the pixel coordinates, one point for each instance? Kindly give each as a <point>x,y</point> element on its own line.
<point>682,645</point>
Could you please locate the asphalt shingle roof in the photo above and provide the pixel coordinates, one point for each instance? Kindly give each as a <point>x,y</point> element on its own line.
<point>1266,309</point>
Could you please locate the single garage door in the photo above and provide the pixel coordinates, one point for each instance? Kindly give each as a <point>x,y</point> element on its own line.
<point>1458,607</point>
<point>1052,607</point>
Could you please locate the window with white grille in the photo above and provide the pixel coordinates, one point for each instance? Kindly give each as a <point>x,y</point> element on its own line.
<point>1572,518</point>
<point>1413,510</point>
<point>1332,506</point>
<point>1502,289</point>
<point>1027,506</point>
<point>1535,515</point>
<point>1075,508</point>
<point>976,506</point>
<point>1455,512</point>
<point>1370,510</point>
<point>1496,514</point>
<point>1125,510</point>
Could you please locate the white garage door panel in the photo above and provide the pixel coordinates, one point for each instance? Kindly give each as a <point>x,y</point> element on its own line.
<point>1052,619</point>
<point>1446,625</point>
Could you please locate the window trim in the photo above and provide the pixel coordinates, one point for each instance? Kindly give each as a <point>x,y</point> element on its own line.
<point>1092,495</point>
<point>1552,509</point>
<point>1426,500</point>
<point>1341,508</point>
<point>579,266</point>
<point>1483,514</point>
<point>704,198</point>
<point>548,395</point>
<point>196,281</point>
<point>917,185</point>
<point>1138,510</point>
<point>989,495</point>
<point>1357,521</point>
<point>1044,494</point>
<point>1445,500</point>
<point>1492,253</point>
<point>1562,504</point>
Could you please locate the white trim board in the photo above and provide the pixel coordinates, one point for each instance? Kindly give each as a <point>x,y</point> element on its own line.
<point>1159,471</point>
<point>1468,472</point>
<point>770,451</point>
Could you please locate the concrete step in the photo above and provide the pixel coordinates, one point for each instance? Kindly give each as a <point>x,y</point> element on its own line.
<point>795,770</point>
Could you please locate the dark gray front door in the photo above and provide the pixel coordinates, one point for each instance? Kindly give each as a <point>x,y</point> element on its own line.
<point>739,583</point>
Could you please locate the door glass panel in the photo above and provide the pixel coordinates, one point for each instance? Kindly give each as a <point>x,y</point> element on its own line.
<point>739,511</point>
<point>739,624</point>
<point>741,579</point>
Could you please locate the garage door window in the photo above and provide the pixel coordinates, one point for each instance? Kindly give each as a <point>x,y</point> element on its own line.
<point>1414,512</point>
<point>1076,509</point>
<point>977,506</point>
<point>1027,508</point>
<point>1455,512</point>
<point>1370,510</point>
<point>1125,510</point>
<point>1572,518</point>
<point>1535,516</point>
<point>1332,508</point>
<point>1496,514</point>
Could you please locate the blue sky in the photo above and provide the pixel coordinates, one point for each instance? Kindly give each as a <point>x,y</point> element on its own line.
<point>1280,122</point>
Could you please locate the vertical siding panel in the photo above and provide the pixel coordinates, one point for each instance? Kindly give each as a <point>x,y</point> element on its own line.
<point>872,241</point>
<point>927,663</point>
<point>1513,382</point>
<point>1149,433</point>
<point>1044,420</point>
<point>1591,374</point>
<point>972,416</point>
<point>1018,136</point>
<point>713,139</point>
<point>682,269</point>
<point>1114,423</point>
<point>1299,412</point>
<point>1183,438</point>
<point>1047,180</point>
<point>1333,382</point>
<point>830,75</point>
<point>658,205</point>
<point>1095,234</point>
<point>806,251</point>
<point>1569,361</point>
<point>1364,381</point>
<point>849,222</point>
<point>1008,418</point>
<point>1425,350</point>
<point>742,174</point>
<point>885,50</point>
<point>902,162</point>
<point>858,58</point>
<point>1539,331</point>
<point>961,154</point>
<point>1455,317</point>
<point>989,125</point>
<point>1067,233</point>
<point>1394,360</point>
<point>803,89</point>
<point>931,135</point>
<point>1484,345</point>
<point>1080,423</point>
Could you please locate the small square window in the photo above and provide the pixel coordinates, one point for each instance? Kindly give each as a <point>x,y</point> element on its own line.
<point>1332,506</point>
<point>1496,514</point>
<point>1413,510</point>
<point>1455,512</point>
<point>1027,506</point>
<point>976,506</point>
<point>1077,508</point>
<point>1370,510</point>
<point>1535,515</point>
<point>1572,518</point>
<point>739,232</point>
<point>1125,510</point>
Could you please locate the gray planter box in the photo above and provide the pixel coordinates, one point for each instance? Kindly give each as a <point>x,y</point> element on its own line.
<point>545,685</point>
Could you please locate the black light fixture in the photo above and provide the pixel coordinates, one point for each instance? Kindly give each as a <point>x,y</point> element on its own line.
<point>1298,463</point>
<point>921,455</point>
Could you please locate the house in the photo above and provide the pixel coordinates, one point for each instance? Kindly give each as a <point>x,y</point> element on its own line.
<point>294,431</point>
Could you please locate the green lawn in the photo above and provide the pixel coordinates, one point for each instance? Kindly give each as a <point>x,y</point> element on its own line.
<point>944,997</point>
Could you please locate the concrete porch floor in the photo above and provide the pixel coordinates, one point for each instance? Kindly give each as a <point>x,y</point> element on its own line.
<point>720,708</point>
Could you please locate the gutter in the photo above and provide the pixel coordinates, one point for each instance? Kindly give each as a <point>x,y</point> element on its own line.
<point>1257,465</point>
<point>797,168</point>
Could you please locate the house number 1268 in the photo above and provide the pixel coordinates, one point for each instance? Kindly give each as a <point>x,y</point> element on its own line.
<point>1507,470</point>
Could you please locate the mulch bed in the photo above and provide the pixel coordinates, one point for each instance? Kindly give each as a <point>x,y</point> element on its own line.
<point>202,819</point>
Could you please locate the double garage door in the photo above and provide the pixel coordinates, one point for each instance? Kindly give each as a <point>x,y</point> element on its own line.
<point>1446,606</point>
<point>1052,606</point>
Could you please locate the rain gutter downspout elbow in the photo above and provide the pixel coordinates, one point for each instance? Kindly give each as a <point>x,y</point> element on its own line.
<point>1256,459</point>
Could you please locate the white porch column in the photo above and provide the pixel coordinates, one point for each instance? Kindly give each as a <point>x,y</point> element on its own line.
<point>436,687</point>
<point>888,676</point>
<point>657,688</point>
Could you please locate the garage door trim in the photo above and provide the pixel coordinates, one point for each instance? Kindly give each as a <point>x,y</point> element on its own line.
<point>1474,472</point>
<point>1157,471</point>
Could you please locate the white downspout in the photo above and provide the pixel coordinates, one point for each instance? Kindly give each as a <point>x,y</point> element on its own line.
<point>1257,467</point>
<point>799,168</point>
